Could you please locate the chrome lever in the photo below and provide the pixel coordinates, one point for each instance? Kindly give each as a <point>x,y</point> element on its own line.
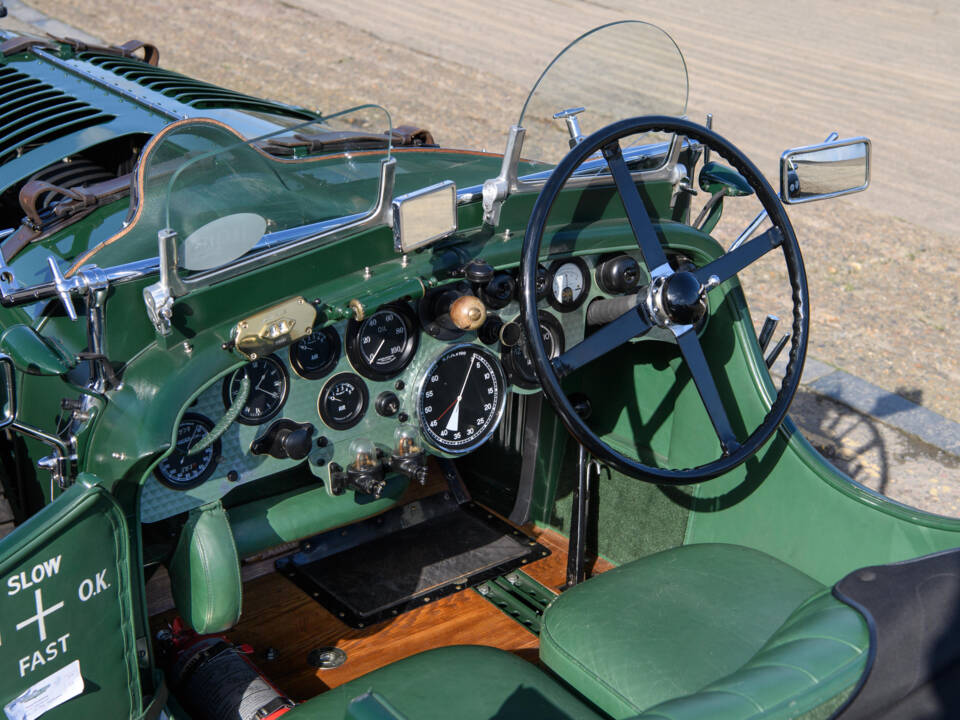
<point>569,116</point>
<point>63,289</point>
<point>775,353</point>
<point>766,332</point>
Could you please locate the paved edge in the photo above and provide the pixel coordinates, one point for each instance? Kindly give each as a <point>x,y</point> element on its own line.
<point>879,404</point>
<point>818,377</point>
<point>45,24</point>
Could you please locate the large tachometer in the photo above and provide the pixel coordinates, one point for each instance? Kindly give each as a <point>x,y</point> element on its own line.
<point>461,398</point>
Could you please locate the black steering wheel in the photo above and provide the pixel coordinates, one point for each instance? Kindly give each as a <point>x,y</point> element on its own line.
<point>673,300</point>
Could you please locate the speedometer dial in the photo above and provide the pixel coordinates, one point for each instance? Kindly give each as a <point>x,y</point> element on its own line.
<point>461,398</point>
<point>181,471</point>
<point>382,345</point>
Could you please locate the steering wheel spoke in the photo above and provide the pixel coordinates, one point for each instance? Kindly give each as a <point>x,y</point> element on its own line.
<point>731,263</point>
<point>702,377</point>
<point>609,337</point>
<point>640,223</point>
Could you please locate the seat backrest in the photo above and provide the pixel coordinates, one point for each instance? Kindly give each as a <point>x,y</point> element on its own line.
<point>205,571</point>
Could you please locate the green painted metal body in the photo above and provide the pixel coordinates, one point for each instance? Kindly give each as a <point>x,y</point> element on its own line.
<point>787,501</point>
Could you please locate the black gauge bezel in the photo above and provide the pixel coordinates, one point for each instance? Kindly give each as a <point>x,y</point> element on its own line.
<point>587,284</point>
<point>296,363</point>
<point>437,443</point>
<point>228,399</point>
<point>359,362</point>
<point>207,472</point>
<point>515,376</point>
<point>358,382</point>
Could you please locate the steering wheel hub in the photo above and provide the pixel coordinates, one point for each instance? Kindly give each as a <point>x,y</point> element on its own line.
<point>681,296</point>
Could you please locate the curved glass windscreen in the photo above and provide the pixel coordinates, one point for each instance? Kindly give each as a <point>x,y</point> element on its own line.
<point>226,197</point>
<point>624,69</point>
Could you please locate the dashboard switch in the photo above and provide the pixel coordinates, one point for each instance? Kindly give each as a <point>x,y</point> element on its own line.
<point>285,440</point>
<point>388,404</point>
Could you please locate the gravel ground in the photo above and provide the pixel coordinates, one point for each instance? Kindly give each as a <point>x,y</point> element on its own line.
<point>884,276</point>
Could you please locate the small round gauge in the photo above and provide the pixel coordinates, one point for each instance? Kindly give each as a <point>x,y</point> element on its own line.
<point>461,398</point>
<point>343,401</point>
<point>269,385</point>
<point>316,354</point>
<point>382,345</point>
<point>569,284</point>
<point>181,471</point>
<point>516,358</point>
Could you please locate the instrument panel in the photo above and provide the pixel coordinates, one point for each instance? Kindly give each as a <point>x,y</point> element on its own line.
<point>402,372</point>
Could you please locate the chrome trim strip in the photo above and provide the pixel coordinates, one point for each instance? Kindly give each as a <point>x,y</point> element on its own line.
<point>592,172</point>
<point>102,82</point>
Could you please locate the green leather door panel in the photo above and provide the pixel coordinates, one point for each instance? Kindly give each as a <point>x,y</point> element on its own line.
<point>66,630</point>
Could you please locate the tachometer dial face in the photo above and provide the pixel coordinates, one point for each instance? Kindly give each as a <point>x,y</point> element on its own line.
<point>315,355</point>
<point>516,359</point>
<point>343,401</point>
<point>461,398</point>
<point>181,471</point>
<point>269,385</point>
<point>382,345</point>
<point>569,284</point>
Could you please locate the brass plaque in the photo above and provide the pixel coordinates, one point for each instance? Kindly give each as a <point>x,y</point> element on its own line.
<point>274,328</point>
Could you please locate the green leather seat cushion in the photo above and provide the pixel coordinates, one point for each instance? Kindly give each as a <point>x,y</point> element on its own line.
<point>465,682</point>
<point>705,631</point>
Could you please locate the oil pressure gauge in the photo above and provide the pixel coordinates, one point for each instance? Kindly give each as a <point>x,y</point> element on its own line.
<point>383,344</point>
<point>569,284</point>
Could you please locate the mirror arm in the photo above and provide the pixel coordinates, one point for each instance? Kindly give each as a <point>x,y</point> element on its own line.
<point>755,223</point>
<point>497,190</point>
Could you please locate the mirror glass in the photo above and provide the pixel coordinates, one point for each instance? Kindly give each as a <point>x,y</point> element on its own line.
<point>825,171</point>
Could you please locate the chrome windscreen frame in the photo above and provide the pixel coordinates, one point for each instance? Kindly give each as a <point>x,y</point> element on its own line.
<point>494,192</point>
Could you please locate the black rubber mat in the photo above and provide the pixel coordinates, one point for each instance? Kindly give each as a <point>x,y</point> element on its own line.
<point>406,558</point>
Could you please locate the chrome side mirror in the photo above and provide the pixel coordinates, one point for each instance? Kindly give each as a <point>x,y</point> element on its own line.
<point>8,391</point>
<point>831,169</point>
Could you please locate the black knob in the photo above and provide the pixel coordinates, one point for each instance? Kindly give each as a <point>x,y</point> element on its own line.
<point>618,275</point>
<point>296,443</point>
<point>498,292</point>
<point>681,298</point>
<point>285,439</point>
<point>388,404</point>
<point>581,405</point>
<point>478,272</point>
<point>489,332</point>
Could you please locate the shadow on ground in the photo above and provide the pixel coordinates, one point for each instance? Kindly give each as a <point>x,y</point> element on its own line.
<point>884,459</point>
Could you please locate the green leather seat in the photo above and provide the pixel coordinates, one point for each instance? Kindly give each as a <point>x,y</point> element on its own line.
<point>467,682</point>
<point>706,631</point>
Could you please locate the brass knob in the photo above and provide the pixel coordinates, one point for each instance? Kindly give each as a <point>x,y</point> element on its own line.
<point>468,312</point>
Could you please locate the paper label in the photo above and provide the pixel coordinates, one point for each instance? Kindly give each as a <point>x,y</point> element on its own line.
<point>47,694</point>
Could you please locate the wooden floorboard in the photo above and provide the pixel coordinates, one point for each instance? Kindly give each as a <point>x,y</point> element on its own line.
<point>551,571</point>
<point>278,616</point>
